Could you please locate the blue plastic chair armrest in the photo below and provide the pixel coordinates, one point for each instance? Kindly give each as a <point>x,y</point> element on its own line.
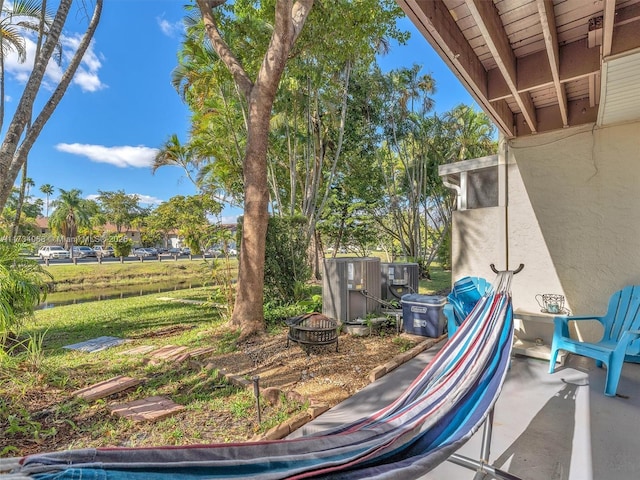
<point>581,317</point>
<point>569,318</point>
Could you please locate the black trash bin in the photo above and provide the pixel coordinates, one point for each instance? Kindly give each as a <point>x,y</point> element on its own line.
<point>423,314</point>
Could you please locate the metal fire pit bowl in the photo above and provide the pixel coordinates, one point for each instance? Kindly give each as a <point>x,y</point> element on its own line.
<point>312,329</point>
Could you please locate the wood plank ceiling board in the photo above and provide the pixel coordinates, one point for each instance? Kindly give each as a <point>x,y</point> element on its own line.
<point>488,20</point>
<point>522,50</point>
<point>627,12</point>
<point>513,105</point>
<point>523,31</point>
<point>513,11</point>
<point>543,97</point>
<point>572,9</point>
<point>578,89</point>
<point>548,24</point>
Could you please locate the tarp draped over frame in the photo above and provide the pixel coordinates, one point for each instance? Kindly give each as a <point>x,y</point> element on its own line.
<point>431,419</point>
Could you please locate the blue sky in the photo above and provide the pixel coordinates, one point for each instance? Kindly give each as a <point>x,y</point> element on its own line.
<point>121,106</point>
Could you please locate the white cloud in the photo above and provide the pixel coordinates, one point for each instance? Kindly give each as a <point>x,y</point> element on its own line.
<point>119,156</point>
<point>169,29</point>
<point>88,82</point>
<point>148,199</point>
<point>20,70</point>
<point>86,76</point>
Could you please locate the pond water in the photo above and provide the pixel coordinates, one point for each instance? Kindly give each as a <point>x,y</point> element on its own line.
<point>57,299</point>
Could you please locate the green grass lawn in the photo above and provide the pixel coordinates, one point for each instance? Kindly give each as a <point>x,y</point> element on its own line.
<point>38,412</point>
<point>95,275</point>
<point>440,281</point>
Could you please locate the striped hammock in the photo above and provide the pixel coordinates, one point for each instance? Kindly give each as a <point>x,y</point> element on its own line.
<point>443,407</point>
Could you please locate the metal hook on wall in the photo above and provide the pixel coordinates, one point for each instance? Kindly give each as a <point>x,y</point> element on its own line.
<point>517,270</point>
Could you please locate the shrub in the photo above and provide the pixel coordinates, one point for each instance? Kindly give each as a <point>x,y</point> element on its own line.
<point>121,246</point>
<point>286,264</point>
<point>23,285</point>
<point>275,315</point>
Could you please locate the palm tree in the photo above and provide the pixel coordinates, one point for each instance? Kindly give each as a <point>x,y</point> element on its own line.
<point>473,133</point>
<point>47,189</point>
<point>25,184</point>
<point>29,16</point>
<point>27,124</point>
<point>173,152</point>
<point>71,211</point>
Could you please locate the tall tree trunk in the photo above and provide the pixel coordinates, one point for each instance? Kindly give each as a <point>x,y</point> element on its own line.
<point>248,310</point>
<point>289,19</point>
<point>14,148</point>
<point>16,219</point>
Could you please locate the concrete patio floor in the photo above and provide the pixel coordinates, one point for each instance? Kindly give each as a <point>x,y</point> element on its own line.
<point>546,427</point>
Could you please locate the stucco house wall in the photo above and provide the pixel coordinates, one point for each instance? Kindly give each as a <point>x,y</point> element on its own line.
<point>571,214</point>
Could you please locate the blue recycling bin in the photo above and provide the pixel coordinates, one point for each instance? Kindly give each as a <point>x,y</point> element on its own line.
<point>423,314</point>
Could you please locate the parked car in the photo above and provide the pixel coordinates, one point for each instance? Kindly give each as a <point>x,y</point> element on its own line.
<point>103,251</point>
<point>144,252</point>
<point>186,251</point>
<point>27,251</point>
<point>53,251</point>
<point>213,252</point>
<point>82,252</point>
<point>174,251</point>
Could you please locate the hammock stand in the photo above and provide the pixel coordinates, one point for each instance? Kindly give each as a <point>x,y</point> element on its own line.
<point>441,410</point>
<point>482,467</point>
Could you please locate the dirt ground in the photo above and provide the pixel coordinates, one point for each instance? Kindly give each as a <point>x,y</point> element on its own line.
<point>318,373</point>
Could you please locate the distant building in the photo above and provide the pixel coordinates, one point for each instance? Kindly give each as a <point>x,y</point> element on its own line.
<point>174,239</point>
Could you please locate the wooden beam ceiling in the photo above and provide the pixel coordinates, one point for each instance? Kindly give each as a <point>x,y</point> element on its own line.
<point>435,22</point>
<point>555,82</point>
<point>488,22</point>
<point>607,26</point>
<point>576,61</point>
<point>548,23</point>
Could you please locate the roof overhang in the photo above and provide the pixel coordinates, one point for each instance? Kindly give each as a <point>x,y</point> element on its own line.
<point>539,65</point>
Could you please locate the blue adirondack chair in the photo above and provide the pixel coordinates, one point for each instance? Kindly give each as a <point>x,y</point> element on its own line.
<point>463,297</point>
<point>620,342</point>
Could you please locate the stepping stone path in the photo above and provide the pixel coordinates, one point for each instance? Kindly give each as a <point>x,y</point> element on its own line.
<point>148,409</point>
<point>139,350</point>
<point>155,408</point>
<point>106,388</point>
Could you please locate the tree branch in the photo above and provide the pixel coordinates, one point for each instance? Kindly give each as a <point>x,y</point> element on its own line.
<point>33,131</point>
<point>289,21</point>
<point>222,49</point>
